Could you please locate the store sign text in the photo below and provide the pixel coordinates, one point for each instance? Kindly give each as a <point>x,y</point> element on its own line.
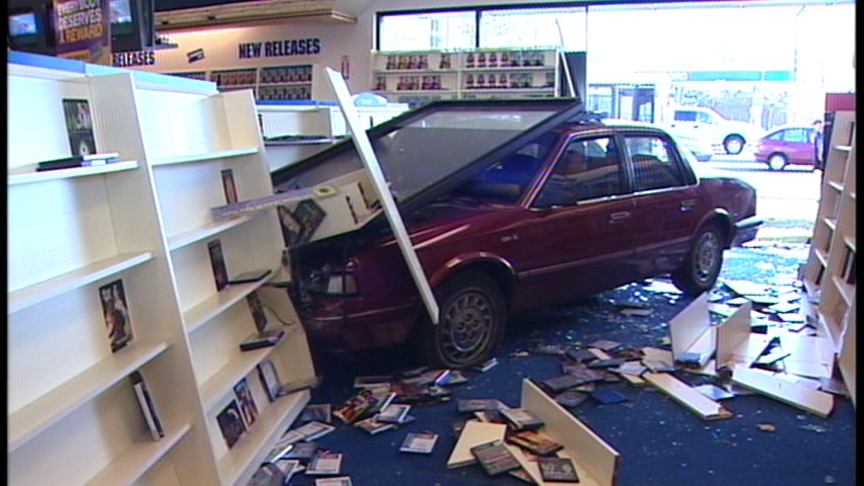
<point>131,59</point>
<point>292,47</point>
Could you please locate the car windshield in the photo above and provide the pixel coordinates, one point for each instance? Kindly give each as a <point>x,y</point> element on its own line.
<point>420,153</point>
<point>428,146</point>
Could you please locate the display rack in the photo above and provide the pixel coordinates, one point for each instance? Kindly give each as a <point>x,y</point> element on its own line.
<point>289,82</point>
<point>418,77</point>
<point>829,273</point>
<point>145,220</point>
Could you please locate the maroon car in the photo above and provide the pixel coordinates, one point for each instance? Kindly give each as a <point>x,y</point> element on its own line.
<point>511,205</point>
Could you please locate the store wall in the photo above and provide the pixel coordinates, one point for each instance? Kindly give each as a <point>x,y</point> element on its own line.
<point>221,48</point>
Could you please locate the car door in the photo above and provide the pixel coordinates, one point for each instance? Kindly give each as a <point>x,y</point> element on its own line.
<point>798,145</point>
<point>666,208</point>
<point>583,244</point>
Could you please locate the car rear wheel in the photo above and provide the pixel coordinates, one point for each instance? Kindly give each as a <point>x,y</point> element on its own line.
<point>734,144</point>
<point>701,268</point>
<point>777,161</point>
<point>472,322</point>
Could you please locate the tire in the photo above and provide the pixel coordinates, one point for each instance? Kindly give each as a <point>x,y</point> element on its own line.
<point>777,161</point>
<point>473,321</point>
<point>733,144</point>
<point>700,269</point>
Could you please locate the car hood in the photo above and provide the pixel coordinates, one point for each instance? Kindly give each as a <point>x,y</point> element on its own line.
<point>426,152</point>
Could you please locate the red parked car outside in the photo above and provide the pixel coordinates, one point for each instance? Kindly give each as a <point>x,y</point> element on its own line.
<point>788,145</point>
<point>511,205</point>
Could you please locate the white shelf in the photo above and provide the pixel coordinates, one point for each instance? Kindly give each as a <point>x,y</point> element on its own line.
<point>139,226</point>
<point>418,91</point>
<point>455,79</point>
<point>233,371</point>
<point>243,459</point>
<point>50,408</point>
<point>137,460</point>
<point>30,175</point>
<point>35,294</point>
<point>219,302</point>
<point>181,240</point>
<point>183,159</point>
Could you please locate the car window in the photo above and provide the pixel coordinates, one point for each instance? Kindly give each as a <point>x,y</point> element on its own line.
<point>795,135</point>
<point>777,136</point>
<point>585,169</point>
<point>703,117</point>
<point>685,116</point>
<point>508,179</point>
<point>654,166</point>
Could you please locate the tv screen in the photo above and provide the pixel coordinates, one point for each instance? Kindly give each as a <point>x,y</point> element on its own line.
<point>23,24</point>
<point>131,25</point>
<point>121,12</point>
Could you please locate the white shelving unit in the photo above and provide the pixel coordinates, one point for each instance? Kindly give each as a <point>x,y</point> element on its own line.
<point>144,220</point>
<point>288,82</point>
<point>418,77</point>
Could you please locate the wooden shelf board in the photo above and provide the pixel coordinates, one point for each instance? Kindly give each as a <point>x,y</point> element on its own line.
<point>846,291</point>
<point>831,223</point>
<point>51,407</point>
<point>137,460</point>
<point>843,148</point>
<point>221,154</point>
<point>193,236</point>
<point>37,293</point>
<point>836,185</point>
<point>29,174</point>
<point>850,242</point>
<point>243,459</point>
<point>235,370</point>
<point>208,309</point>
<point>821,255</point>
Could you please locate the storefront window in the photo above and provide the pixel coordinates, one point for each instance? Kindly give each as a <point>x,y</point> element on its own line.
<point>425,31</point>
<point>536,27</point>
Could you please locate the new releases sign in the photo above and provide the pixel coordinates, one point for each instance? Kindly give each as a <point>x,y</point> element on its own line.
<point>280,48</point>
<point>83,30</point>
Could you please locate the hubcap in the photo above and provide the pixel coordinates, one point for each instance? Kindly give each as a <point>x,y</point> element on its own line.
<point>466,327</point>
<point>707,256</point>
<point>776,162</point>
<point>734,146</point>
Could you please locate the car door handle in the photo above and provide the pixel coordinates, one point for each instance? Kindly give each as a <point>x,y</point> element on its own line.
<point>619,216</point>
<point>687,205</point>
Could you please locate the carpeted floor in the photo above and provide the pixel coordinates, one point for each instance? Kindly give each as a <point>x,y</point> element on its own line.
<point>765,443</point>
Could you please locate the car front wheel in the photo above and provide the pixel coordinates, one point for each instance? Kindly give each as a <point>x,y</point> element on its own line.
<point>734,144</point>
<point>777,162</point>
<point>472,322</point>
<point>701,268</point>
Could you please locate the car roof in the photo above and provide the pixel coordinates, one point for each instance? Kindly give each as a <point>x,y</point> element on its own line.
<point>430,150</point>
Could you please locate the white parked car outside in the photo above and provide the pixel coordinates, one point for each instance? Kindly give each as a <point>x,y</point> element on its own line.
<point>729,136</point>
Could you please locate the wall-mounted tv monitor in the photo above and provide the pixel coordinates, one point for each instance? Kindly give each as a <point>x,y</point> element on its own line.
<point>30,26</point>
<point>132,26</point>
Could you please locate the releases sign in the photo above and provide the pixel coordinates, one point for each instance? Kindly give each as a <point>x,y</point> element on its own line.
<point>280,48</point>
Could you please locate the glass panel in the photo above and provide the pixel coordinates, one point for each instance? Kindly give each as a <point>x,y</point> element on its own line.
<point>653,164</point>
<point>425,31</point>
<point>536,27</point>
<point>587,169</point>
<point>425,151</point>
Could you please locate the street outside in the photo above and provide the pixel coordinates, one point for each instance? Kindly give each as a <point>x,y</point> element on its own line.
<point>788,199</point>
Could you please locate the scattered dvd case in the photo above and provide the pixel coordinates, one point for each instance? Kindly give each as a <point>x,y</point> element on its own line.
<point>419,442</point>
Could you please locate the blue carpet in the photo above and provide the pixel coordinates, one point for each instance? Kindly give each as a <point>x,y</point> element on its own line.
<point>661,443</point>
